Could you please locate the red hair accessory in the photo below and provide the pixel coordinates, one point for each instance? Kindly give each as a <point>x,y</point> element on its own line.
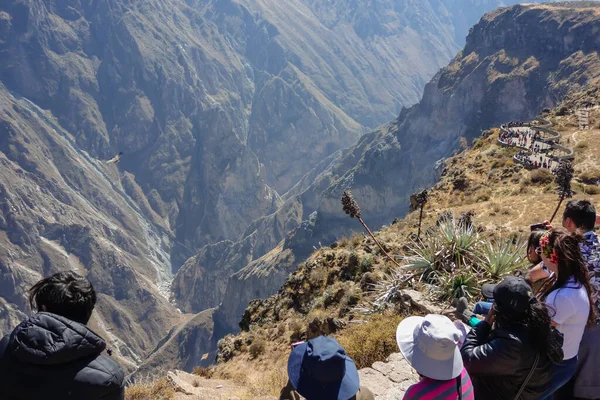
<point>548,249</point>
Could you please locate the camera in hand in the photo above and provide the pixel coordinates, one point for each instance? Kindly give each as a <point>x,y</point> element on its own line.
<point>537,227</point>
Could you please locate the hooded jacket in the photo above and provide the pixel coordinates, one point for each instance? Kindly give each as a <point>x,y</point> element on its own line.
<point>51,357</point>
<point>499,361</point>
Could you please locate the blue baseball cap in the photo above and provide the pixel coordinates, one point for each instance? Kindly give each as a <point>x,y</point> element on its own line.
<point>321,370</point>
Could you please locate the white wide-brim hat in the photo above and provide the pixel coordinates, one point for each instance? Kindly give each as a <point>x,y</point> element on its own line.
<point>431,346</point>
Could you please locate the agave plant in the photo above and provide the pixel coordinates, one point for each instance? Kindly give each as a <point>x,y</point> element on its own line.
<point>425,257</point>
<point>460,239</point>
<point>385,289</point>
<point>457,286</point>
<point>499,258</point>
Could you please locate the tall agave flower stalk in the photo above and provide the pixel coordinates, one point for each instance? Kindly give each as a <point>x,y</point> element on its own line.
<point>352,208</point>
<point>421,198</point>
<point>564,175</point>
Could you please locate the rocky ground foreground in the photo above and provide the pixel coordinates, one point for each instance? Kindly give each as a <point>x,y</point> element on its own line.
<point>387,380</point>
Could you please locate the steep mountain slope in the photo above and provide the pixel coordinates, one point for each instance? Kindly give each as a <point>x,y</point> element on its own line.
<point>61,209</point>
<point>387,25</point>
<point>220,107</point>
<point>339,289</point>
<point>516,62</point>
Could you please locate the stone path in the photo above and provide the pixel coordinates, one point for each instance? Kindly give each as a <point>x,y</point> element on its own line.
<point>541,155</point>
<point>535,150</point>
<point>389,380</point>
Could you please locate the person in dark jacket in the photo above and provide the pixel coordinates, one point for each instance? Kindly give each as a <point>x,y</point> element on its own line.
<point>53,354</point>
<point>500,352</point>
<point>320,369</point>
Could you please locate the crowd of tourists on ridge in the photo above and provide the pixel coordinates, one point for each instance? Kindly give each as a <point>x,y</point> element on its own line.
<point>536,336</point>
<point>536,152</point>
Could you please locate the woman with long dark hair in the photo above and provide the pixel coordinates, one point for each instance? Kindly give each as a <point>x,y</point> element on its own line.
<point>510,354</point>
<point>568,295</point>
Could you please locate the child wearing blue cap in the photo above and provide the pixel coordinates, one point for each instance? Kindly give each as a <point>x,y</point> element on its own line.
<point>320,370</point>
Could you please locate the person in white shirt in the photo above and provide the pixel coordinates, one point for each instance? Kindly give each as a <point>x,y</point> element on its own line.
<point>580,216</point>
<point>568,296</point>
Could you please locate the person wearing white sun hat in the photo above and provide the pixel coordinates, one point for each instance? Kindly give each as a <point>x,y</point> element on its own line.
<point>431,346</point>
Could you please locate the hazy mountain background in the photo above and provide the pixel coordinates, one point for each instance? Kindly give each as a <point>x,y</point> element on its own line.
<point>232,116</point>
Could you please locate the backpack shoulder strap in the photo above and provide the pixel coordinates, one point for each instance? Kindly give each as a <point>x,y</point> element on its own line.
<point>535,364</point>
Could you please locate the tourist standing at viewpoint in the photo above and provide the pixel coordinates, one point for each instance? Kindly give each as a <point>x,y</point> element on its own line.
<point>568,296</point>
<point>580,216</point>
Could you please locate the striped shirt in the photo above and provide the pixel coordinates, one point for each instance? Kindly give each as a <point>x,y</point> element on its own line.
<point>430,389</point>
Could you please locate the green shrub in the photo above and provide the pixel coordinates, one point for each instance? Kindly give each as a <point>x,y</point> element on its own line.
<point>280,329</point>
<point>371,341</point>
<point>498,258</point>
<point>457,286</point>
<point>592,189</point>
<point>257,348</point>
<point>590,177</point>
<point>343,242</point>
<point>483,195</point>
<point>318,276</point>
<point>296,329</point>
<point>460,182</point>
<point>541,176</point>
<point>366,264</point>
<point>356,239</point>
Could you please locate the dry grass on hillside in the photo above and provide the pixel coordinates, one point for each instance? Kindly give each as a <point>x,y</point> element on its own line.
<point>159,389</point>
<point>372,341</point>
<point>257,379</point>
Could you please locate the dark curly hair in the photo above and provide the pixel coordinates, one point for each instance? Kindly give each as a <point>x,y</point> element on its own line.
<point>582,213</point>
<point>537,322</point>
<point>67,294</point>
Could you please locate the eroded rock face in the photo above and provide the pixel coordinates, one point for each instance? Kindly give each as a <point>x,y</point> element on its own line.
<point>186,346</point>
<point>502,74</point>
<point>60,209</point>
